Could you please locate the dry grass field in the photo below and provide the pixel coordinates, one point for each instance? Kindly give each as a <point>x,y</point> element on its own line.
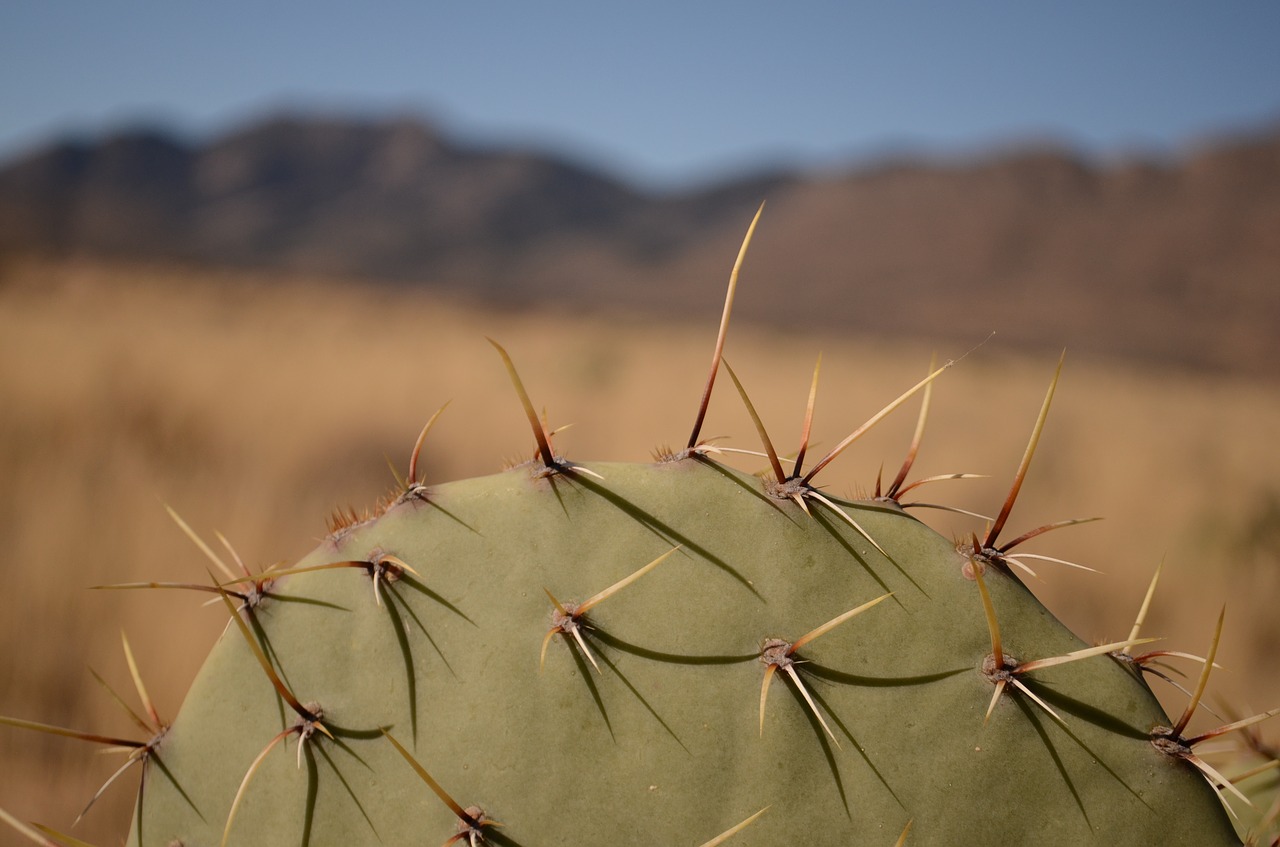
<point>254,406</point>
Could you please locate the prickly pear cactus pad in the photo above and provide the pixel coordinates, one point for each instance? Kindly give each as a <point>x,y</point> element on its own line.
<point>643,725</point>
<point>672,653</point>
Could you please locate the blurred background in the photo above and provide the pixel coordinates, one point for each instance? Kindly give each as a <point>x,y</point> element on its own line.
<point>246,251</point>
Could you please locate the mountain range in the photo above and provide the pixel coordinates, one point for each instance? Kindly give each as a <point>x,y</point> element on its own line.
<point>1172,260</point>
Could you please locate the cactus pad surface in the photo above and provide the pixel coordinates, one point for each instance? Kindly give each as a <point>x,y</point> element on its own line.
<point>644,725</point>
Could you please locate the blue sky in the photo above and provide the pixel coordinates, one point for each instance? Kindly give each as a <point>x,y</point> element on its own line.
<point>660,92</point>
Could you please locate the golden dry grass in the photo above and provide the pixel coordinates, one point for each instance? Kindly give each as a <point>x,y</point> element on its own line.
<point>254,406</point>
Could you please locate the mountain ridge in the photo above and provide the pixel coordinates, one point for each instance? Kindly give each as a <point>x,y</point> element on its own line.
<point>1172,260</point>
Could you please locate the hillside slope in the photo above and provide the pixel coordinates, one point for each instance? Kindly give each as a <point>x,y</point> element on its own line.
<point>1173,261</point>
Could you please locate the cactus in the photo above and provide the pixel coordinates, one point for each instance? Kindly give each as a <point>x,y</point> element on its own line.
<point>673,653</point>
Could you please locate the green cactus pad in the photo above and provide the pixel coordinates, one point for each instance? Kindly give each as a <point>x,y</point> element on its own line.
<point>656,737</point>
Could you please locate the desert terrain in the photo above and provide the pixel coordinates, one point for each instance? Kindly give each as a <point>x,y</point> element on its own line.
<point>255,403</point>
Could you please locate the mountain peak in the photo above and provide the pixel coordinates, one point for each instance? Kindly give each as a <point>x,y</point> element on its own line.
<point>1043,244</point>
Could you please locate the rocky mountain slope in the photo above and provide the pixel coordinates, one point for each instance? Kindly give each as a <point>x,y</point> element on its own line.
<point>1160,260</point>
